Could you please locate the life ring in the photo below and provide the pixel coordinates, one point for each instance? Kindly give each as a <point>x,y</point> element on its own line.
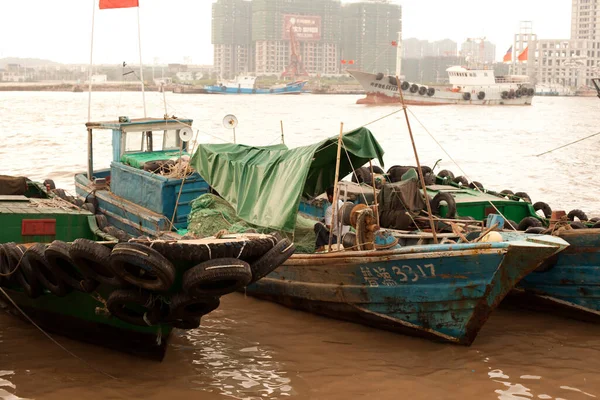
<point>93,260</point>
<point>393,81</point>
<point>134,307</point>
<point>577,213</point>
<point>379,76</point>
<point>528,222</point>
<point>430,91</point>
<point>540,205</point>
<point>451,204</point>
<point>44,271</point>
<point>405,85</point>
<point>504,95</point>
<point>422,90</point>
<point>414,88</point>
<point>217,277</point>
<point>272,259</point>
<point>142,266</point>
<point>481,95</point>
<point>57,255</point>
<point>466,96</point>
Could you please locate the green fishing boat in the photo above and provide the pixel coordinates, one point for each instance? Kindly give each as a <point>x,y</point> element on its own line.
<point>59,270</point>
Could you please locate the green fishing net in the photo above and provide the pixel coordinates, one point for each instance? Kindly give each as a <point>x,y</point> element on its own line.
<point>211,213</point>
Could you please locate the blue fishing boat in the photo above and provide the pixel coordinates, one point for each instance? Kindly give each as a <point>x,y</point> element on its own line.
<point>567,283</point>
<point>411,285</point>
<point>247,85</point>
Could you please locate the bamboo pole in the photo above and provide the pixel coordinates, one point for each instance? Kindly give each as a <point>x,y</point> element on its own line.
<point>374,191</point>
<point>335,211</point>
<point>282,137</point>
<point>420,172</point>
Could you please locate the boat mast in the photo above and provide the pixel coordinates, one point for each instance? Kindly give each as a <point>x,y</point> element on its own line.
<point>141,64</point>
<point>399,55</point>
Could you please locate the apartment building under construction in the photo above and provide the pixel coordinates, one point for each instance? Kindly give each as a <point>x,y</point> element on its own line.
<point>267,36</point>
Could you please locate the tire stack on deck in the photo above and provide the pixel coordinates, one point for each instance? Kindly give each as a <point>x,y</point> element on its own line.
<point>145,283</point>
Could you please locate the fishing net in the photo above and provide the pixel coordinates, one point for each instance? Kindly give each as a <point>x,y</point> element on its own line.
<point>211,213</point>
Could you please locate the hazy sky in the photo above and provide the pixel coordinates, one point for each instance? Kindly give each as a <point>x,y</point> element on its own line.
<point>59,30</point>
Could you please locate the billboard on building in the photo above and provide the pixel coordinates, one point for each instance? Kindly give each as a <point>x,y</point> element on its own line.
<point>305,27</point>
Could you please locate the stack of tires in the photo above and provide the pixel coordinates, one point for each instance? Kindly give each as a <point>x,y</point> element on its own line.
<point>148,285</point>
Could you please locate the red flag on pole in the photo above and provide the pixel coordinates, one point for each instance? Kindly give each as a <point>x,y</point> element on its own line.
<point>343,61</point>
<point>524,55</point>
<point>351,62</point>
<point>394,43</point>
<point>105,4</point>
<point>508,55</point>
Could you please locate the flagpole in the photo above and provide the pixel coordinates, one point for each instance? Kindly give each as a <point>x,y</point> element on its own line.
<point>141,65</point>
<point>91,60</point>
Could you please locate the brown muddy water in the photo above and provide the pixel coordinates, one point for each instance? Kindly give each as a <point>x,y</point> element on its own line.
<point>251,349</point>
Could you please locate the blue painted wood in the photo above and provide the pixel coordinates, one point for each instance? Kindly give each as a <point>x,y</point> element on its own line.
<point>572,278</point>
<point>445,292</point>
<point>292,88</point>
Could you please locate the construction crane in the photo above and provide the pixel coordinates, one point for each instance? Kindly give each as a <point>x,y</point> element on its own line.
<point>296,67</point>
<point>481,41</point>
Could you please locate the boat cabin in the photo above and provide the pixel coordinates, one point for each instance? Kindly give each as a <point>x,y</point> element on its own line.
<point>465,77</point>
<point>148,172</point>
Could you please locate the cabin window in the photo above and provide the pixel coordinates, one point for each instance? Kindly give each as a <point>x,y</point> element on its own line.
<point>134,142</point>
<point>165,140</point>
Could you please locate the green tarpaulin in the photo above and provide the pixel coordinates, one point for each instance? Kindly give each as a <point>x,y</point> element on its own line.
<point>265,184</point>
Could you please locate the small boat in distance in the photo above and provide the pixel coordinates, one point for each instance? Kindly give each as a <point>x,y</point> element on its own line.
<point>247,85</point>
<point>469,86</point>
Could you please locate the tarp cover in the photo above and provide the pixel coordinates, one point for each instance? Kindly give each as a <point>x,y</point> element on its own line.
<point>13,185</point>
<point>265,184</point>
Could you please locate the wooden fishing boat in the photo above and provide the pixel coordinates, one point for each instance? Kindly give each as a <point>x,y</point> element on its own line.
<point>61,271</point>
<point>444,291</point>
<point>567,283</point>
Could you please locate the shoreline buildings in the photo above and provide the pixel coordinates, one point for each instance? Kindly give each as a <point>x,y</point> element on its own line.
<point>294,37</point>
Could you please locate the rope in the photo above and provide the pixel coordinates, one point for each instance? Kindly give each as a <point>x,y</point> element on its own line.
<point>53,340</point>
<point>459,167</point>
<point>568,144</point>
<point>18,264</point>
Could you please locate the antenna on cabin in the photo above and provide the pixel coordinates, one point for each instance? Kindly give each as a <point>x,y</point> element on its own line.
<point>230,122</point>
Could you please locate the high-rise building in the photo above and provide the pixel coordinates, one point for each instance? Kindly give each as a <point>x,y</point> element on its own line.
<point>311,29</point>
<point>415,48</point>
<point>231,37</point>
<point>585,19</point>
<point>369,30</point>
<point>479,51</point>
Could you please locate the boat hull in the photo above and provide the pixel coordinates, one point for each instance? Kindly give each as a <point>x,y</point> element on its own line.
<point>570,281</point>
<point>83,317</point>
<point>293,88</point>
<point>384,92</point>
<point>444,292</point>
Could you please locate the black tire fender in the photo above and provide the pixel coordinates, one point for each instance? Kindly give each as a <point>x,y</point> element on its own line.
<point>422,90</point>
<point>577,225</point>
<point>90,207</point>
<point>93,260</point>
<point>145,311</point>
<point>507,193</point>
<point>523,196</point>
<point>461,180</point>
<point>49,184</point>
<point>511,225</point>
<point>57,255</point>
<point>446,174</point>
<point>481,95</point>
<point>216,277</point>
<point>393,81</point>
<point>362,174</point>
<point>272,259</point>
<point>142,266</point>
<point>529,222</point>
<point>24,273</point>
<point>596,225</point>
<point>577,213</point>
<point>466,96</point>
<point>540,205</point>
<point>430,92</point>
<point>183,307</point>
<point>414,88</point>
<point>595,219</point>
<point>45,272</point>
<point>475,184</point>
<point>101,221</point>
<point>379,76</point>
<point>535,229</point>
<point>447,197</point>
<point>405,85</point>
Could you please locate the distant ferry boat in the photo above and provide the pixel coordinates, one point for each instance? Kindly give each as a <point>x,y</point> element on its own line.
<point>247,85</point>
<point>469,86</point>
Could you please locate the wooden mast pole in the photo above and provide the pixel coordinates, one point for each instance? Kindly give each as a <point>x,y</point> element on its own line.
<point>282,137</point>
<point>334,213</point>
<point>419,170</point>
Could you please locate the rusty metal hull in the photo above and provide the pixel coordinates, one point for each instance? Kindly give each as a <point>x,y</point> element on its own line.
<point>569,281</point>
<point>445,292</point>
